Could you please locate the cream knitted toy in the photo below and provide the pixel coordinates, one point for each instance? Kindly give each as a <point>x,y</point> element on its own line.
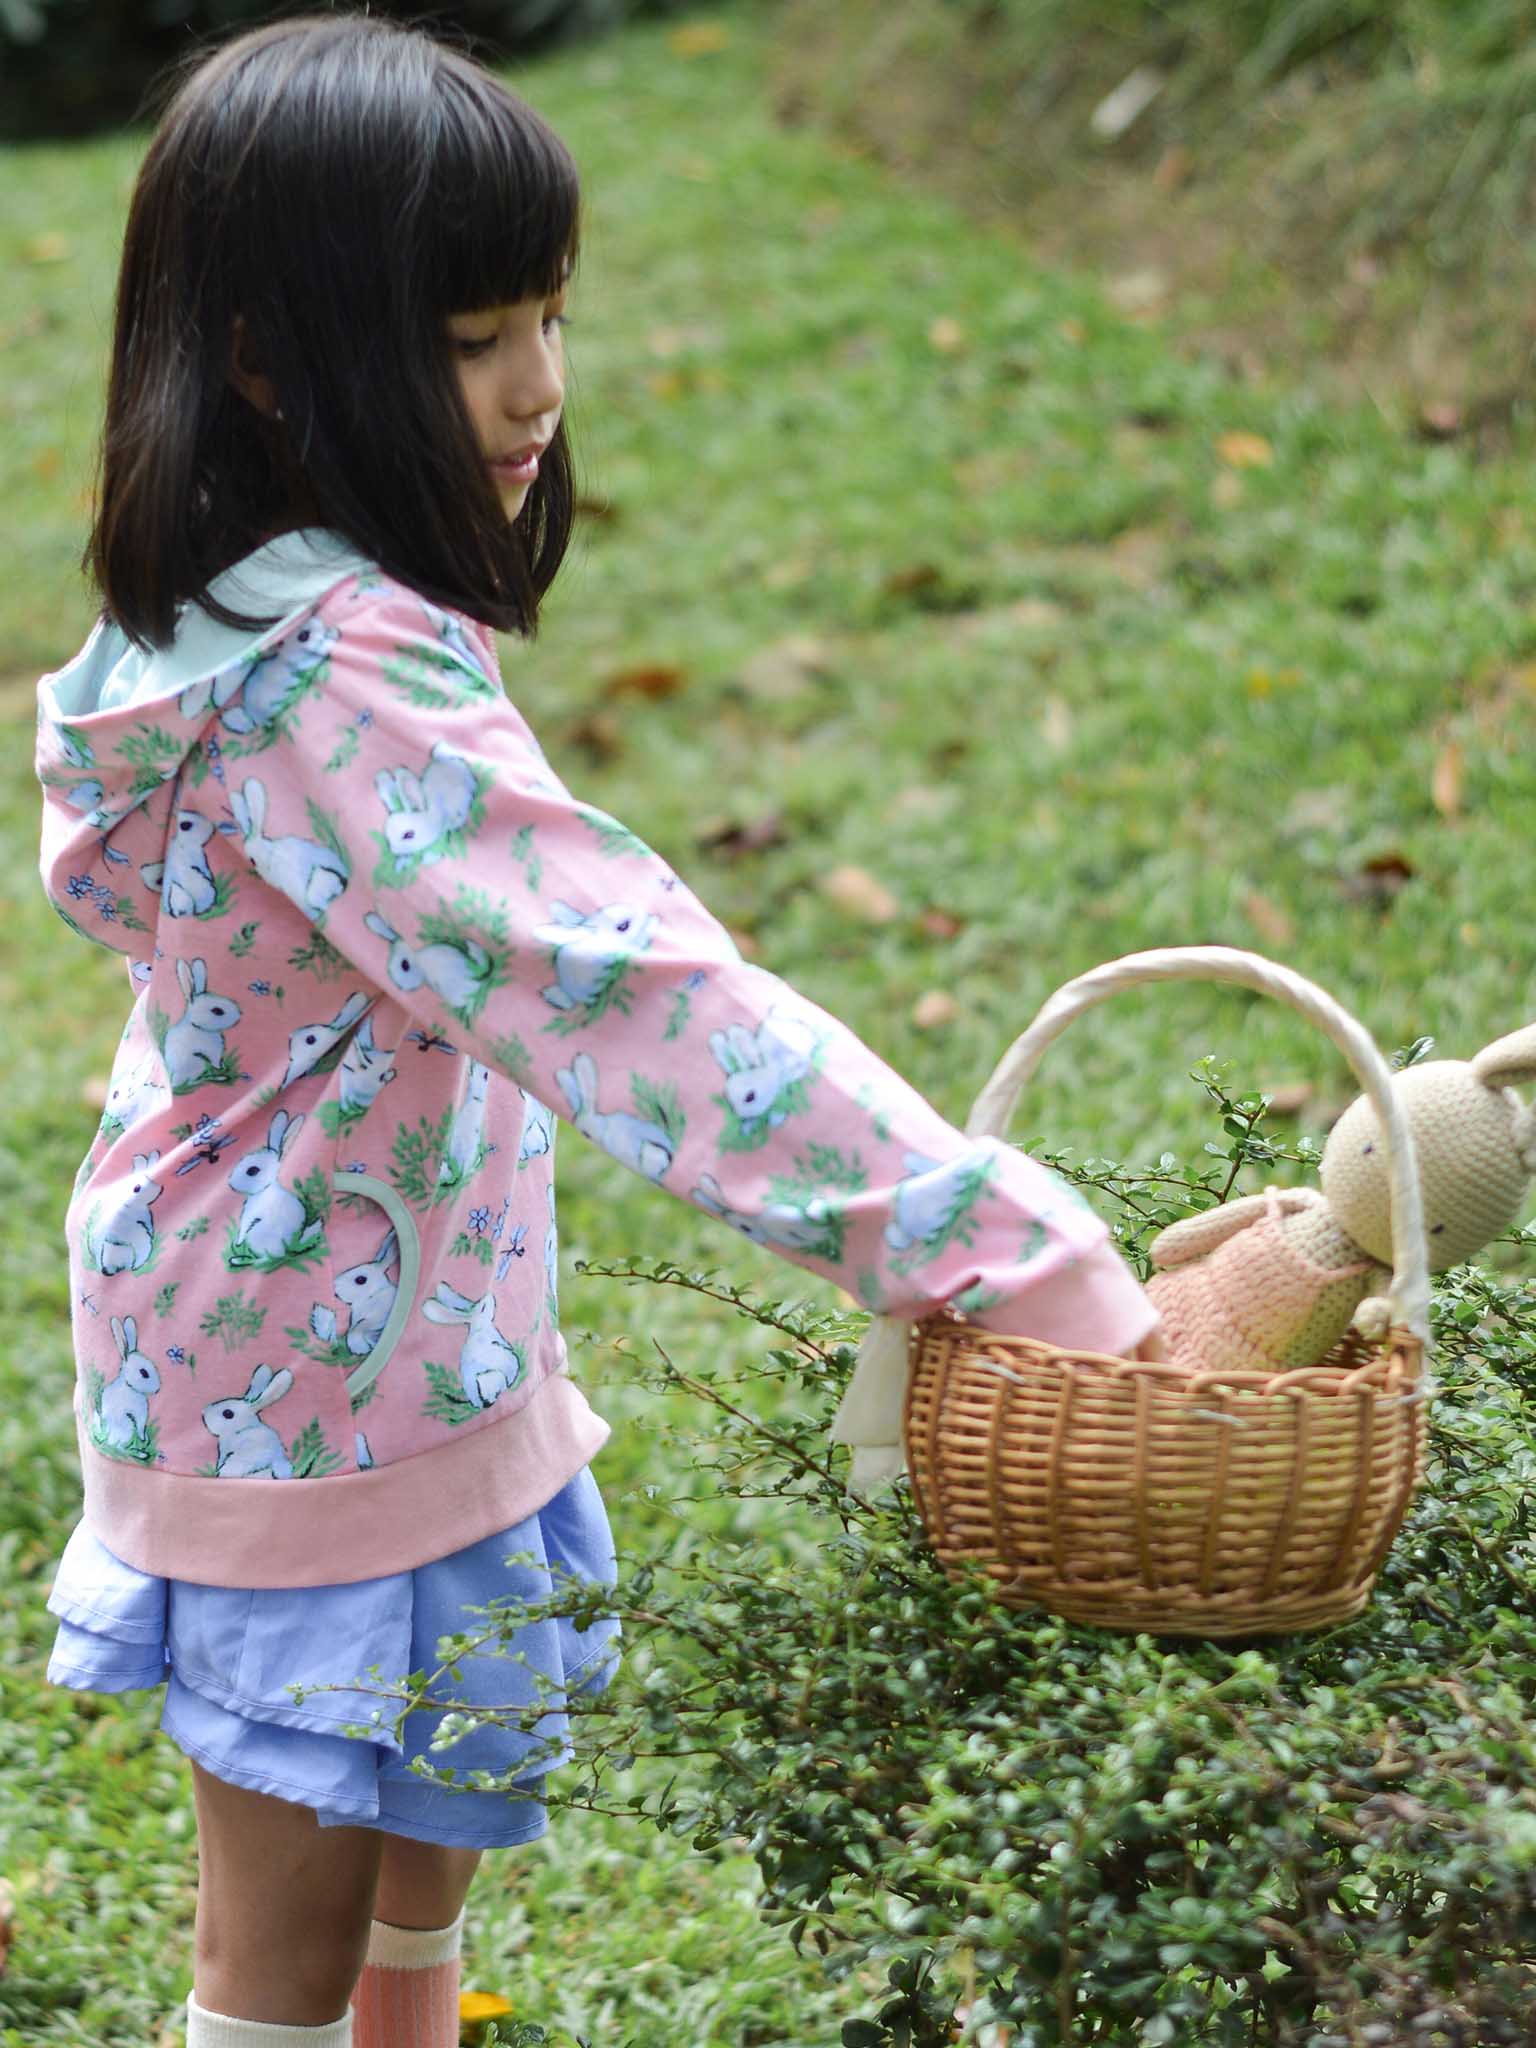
<point>1273,1282</point>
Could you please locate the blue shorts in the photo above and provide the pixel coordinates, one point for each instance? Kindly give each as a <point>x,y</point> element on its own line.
<point>226,1656</point>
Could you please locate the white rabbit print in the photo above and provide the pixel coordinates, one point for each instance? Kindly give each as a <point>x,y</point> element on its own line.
<point>641,1143</point>
<point>121,1419</point>
<point>489,1366</point>
<point>275,1226</point>
<point>590,950</point>
<point>194,1050</point>
<point>184,879</point>
<point>249,1448</point>
<point>427,815</point>
<point>367,1294</point>
<point>280,675</point>
<point>934,1203</point>
<point>455,642</point>
<point>138,1093</point>
<point>306,871</point>
<point>310,1045</point>
<point>763,1072</point>
<point>458,974</point>
<point>466,1151</point>
<point>126,1242</point>
<point>538,1129</point>
<point>811,1225</point>
<point>365,1069</point>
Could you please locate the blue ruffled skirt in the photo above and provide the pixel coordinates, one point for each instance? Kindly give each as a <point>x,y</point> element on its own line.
<point>227,1656</point>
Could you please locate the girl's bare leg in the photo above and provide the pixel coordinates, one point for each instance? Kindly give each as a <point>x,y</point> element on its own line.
<point>422,1884</point>
<point>283,1906</point>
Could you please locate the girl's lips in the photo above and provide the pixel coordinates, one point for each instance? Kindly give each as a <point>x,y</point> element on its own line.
<point>518,469</point>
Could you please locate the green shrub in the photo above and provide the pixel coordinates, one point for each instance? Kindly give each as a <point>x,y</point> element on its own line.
<point>1322,1841</point>
<point>70,66</point>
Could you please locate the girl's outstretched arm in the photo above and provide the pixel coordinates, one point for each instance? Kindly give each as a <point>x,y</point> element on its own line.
<point>540,936</point>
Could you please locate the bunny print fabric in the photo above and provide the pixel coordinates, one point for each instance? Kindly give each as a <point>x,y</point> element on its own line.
<point>232,1660</point>
<point>377,948</point>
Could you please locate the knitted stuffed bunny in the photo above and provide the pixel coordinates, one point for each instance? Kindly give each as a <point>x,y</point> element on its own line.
<point>1273,1282</point>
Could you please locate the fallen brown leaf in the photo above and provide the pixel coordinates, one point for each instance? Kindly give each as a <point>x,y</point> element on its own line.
<point>49,248</point>
<point>1379,881</point>
<point>1445,784</point>
<point>650,680</point>
<point>1270,920</point>
<point>1174,168</point>
<point>786,669</point>
<point>934,1009</point>
<point>599,734</point>
<point>1289,1098</point>
<point>1056,724</point>
<point>699,39</point>
<point>1240,450</point>
<point>940,924</point>
<point>857,891</point>
<point>733,836</point>
<point>946,335</point>
<point>1440,419</point>
<point>903,582</point>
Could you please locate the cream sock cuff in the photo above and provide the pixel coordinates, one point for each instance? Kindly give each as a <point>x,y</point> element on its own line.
<point>414,1948</point>
<point>217,2030</point>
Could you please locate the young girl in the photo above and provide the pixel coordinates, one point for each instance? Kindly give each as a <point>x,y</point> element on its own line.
<point>375,946</point>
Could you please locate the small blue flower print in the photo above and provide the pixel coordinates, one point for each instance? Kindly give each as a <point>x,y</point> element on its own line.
<point>365,719</point>
<point>357,1166</point>
<point>696,979</point>
<point>175,1354</point>
<point>81,885</point>
<point>206,1127</point>
<point>106,909</point>
<point>479,1218</point>
<point>259,988</point>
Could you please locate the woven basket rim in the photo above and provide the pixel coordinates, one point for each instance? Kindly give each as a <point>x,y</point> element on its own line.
<point>1397,1346</point>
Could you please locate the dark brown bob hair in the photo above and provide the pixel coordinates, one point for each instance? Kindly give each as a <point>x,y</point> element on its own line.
<point>343,185</point>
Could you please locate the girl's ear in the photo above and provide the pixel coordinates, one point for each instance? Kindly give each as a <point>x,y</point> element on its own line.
<point>254,387</point>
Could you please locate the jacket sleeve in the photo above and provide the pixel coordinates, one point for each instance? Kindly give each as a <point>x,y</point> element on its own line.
<point>402,802</point>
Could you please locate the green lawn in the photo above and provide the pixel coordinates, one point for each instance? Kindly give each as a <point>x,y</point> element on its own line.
<point>962,576</point>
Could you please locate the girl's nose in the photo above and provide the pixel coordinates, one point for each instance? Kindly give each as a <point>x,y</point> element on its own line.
<point>539,390</point>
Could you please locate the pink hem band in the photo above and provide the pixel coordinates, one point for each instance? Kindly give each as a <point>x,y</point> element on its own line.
<point>353,1525</point>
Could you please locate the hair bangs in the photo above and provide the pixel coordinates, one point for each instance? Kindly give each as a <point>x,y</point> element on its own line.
<point>505,200</point>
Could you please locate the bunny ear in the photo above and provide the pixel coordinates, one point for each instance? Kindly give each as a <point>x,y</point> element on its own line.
<point>184,976</point>
<point>1508,1060</point>
<point>118,1337</point>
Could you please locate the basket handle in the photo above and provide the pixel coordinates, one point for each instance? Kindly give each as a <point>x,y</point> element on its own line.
<point>1408,1295</point>
<point>869,1418</point>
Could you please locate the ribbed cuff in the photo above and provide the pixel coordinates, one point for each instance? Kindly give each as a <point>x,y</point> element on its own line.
<point>1094,1304</point>
<point>217,2030</point>
<point>415,1948</point>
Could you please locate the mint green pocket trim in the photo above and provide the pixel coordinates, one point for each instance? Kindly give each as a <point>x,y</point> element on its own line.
<point>410,1272</point>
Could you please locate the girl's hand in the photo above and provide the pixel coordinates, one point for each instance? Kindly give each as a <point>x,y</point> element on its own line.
<point>1152,1348</point>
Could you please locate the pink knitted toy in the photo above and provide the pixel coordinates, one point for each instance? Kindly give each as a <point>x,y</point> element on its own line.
<point>1273,1281</point>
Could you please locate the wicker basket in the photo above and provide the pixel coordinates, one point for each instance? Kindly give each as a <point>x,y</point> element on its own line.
<point>1141,1496</point>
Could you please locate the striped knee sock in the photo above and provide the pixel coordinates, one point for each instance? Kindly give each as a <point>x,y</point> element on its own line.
<point>408,1993</point>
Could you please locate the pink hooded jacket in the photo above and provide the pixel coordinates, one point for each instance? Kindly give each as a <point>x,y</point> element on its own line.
<point>375,948</point>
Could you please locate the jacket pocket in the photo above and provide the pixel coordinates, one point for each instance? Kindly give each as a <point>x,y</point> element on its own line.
<point>371,1288</point>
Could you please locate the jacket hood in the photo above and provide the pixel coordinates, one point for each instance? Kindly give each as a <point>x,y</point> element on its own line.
<point>115,727</point>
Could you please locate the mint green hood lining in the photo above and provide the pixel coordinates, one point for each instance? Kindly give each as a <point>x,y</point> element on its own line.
<point>288,576</point>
